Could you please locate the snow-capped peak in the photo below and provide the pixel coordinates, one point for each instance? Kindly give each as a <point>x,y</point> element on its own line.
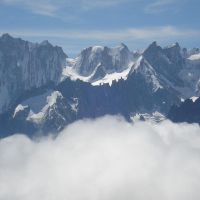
<point>97,49</point>
<point>98,62</point>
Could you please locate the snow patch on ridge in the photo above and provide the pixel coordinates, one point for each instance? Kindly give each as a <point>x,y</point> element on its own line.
<point>116,76</point>
<point>70,72</point>
<point>194,98</point>
<point>50,101</point>
<point>96,49</point>
<point>154,117</point>
<point>18,109</point>
<point>195,57</point>
<point>39,105</point>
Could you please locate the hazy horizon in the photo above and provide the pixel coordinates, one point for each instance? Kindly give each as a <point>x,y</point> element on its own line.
<point>77,24</point>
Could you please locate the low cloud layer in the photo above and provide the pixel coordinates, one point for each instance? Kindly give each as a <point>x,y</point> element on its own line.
<point>105,159</point>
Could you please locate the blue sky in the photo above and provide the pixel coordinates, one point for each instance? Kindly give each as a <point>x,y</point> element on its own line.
<point>76,24</point>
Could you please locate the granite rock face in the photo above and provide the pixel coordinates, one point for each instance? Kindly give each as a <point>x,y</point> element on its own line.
<point>24,65</point>
<point>188,111</point>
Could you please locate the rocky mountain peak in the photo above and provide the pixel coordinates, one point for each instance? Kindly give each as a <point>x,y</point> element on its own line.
<point>110,59</point>
<point>45,43</point>
<point>6,36</point>
<point>25,65</point>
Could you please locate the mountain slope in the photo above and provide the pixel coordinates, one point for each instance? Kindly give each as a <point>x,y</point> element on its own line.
<point>176,68</point>
<point>188,111</point>
<point>24,65</point>
<point>42,90</point>
<point>94,63</point>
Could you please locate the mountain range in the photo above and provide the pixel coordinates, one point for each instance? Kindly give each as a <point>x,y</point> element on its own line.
<point>42,90</point>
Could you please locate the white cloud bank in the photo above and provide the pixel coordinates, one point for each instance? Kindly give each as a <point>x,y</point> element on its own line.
<point>105,159</point>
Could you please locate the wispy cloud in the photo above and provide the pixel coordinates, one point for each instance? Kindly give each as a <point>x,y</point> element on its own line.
<point>73,41</point>
<point>152,33</point>
<point>52,7</point>
<point>55,8</point>
<point>89,4</point>
<point>160,6</point>
<point>44,7</point>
